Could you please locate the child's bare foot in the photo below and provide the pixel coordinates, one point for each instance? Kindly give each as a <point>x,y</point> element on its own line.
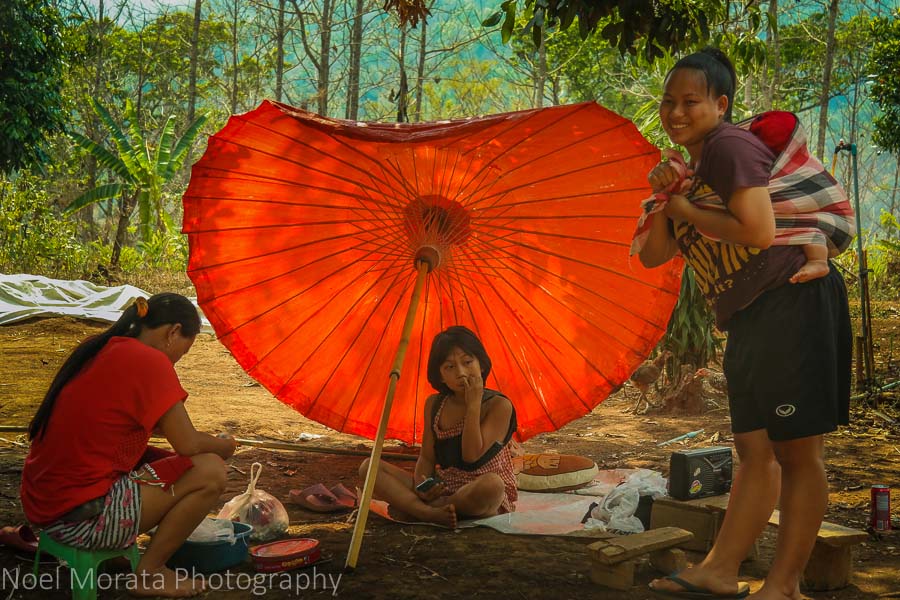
<point>813,269</point>
<point>165,583</point>
<point>442,515</point>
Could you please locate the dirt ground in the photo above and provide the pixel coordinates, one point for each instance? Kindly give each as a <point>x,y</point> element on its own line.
<point>399,561</point>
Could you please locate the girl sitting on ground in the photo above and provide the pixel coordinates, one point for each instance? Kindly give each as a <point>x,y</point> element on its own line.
<point>465,441</point>
<point>79,483</point>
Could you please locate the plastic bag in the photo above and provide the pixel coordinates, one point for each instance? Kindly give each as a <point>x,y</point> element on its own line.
<point>617,510</point>
<point>259,509</point>
<point>213,530</point>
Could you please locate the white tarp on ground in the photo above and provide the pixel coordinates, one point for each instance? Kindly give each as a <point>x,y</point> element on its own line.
<point>559,514</point>
<point>26,296</point>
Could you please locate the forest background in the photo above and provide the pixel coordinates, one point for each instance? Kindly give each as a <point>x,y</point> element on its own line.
<point>104,104</point>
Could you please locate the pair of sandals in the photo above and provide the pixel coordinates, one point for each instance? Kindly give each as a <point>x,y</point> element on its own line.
<point>20,538</point>
<point>319,498</point>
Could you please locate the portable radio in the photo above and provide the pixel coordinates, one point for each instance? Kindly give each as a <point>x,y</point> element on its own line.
<point>700,473</point>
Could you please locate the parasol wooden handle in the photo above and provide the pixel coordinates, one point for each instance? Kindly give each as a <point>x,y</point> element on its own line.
<point>359,527</point>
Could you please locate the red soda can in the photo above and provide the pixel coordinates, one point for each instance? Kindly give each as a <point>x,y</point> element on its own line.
<point>880,516</point>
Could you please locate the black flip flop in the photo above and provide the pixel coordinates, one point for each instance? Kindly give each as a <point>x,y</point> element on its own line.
<point>695,592</point>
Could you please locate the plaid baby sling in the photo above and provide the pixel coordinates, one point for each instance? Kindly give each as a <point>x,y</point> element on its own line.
<point>810,206</point>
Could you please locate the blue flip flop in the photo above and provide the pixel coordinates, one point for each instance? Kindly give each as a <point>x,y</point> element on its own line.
<point>695,592</point>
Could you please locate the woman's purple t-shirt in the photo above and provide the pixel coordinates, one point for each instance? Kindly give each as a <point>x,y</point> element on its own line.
<point>732,276</point>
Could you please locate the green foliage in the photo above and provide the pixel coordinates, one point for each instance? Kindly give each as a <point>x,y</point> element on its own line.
<point>802,49</point>
<point>31,65</point>
<point>884,65</point>
<point>690,335</point>
<point>591,69</point>
<point>647,28</point>
<point>142,172</point>
<point>166,249</point>
<point>35,239</point>
<point>884,257</point>
<point>476,89</point>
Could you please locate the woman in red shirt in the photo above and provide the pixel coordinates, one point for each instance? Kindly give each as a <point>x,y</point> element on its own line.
<point>79,482</point>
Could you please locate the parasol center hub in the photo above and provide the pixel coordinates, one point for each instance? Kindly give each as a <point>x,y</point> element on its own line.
<point>429,255</point>
<point>438,221</point>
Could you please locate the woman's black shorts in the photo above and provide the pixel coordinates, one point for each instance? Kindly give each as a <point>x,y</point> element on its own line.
<point>787,360</point>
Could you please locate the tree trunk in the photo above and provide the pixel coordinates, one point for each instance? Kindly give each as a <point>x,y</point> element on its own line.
<point>235,46</point>
<point>826,80</point>
<point>894,192</point>
<point>555,85</point>
<point>540,76</point>
<point>279,54</point>
<point>774,55</point>
<point>315,60</point>
<point>420,74</point>
<point>126,207</point>
<point>325,55</point>
<point>355,57</point>
<point>403,94</point>
<point>91,120</point>
<point>192,81</point>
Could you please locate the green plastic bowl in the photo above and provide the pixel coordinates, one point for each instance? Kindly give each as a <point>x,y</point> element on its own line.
<point>209,557</point>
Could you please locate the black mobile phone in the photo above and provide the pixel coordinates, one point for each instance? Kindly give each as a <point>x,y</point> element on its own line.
<point>427,484</point>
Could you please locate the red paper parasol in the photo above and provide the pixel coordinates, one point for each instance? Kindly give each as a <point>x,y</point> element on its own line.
<point>305,234</point>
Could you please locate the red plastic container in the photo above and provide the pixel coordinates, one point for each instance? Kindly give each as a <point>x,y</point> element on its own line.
<point>285,555</point>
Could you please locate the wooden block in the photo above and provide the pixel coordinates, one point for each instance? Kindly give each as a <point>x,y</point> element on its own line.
<point>830,533</point>
<point>829,567</point>
<point>668,561</point>
<point>707,504</point>
<point>703,517</point>
<point>618,549</point>
<point>702,523</point>
<point>618,577</point>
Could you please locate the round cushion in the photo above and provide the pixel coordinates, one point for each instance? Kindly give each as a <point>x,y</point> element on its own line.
<point>553,472</point>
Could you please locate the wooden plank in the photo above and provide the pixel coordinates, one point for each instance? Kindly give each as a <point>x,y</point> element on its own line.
<point>830,533</point>
<point>616,550</point>
<point>618,577</point>
<point>698,504</point>
<point>701,522</point>
<point>668,561</point>
<point>829,568</point>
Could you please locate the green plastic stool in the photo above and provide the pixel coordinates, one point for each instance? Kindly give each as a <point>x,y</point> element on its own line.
<point>84,563</point>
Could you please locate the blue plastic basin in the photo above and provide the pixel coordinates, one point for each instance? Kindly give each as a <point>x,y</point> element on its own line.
<point>209,557</point>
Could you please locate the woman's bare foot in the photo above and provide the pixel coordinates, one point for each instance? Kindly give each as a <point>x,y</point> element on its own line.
<point>701,578</point>
<point>813,269</point>
<point>771,592</point>
<point>441,515</point>
<point>165,583</point>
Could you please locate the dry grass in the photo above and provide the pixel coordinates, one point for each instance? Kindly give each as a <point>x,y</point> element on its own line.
<point>155,281</point>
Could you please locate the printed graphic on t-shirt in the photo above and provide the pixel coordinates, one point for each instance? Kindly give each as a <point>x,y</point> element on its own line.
<point>715,263</point>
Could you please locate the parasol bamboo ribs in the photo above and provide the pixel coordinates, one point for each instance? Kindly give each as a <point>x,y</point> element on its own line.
<point>272,445</point>
<point>369,487</point>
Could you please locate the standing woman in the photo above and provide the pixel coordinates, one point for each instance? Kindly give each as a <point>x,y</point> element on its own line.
<point>787,360</point>
<point>80,483</point>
